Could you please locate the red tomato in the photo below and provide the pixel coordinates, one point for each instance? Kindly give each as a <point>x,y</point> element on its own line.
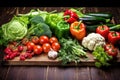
<point>108,46</point>
<point>56,46</point>
<point>103,30</point>
<point>37,49</point>
<point>46,47</point>
<point>53,39</point>
<point>35,39</point>
<point>112,52</point>
<point>113,37</point>
<point>43,39</point>
<point>30,46</point>
<point>25,41</point>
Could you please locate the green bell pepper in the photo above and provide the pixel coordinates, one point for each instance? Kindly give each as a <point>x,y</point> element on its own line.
<point>53,19</point>
<point>62,29</point>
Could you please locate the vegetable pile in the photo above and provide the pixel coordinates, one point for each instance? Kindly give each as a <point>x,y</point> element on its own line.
<point>67,36</point>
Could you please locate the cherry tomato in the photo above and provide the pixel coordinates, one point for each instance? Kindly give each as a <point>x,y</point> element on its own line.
<point>7,51</point>
<point>53,39</point>
<point>43,39</point>
<point>37,49</point>
<point>30,46</point>
<point>25,41</point>
<point>108,46</point>
<point>56,46</point>
<point>113,52</point>
<point>46,47</point>
<point>35,39</point>
<point>20,48</point>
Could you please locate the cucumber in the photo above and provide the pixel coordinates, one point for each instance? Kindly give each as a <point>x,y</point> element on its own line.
<point>92,20</point>
<point>92,28</point>
<point>104,15</point>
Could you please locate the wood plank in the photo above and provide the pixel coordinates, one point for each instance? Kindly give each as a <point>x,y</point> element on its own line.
<point>44,60</point>
<point>65,73</point>
<point>26,73</point>
<point>3,72</point>
<point>96,74</point>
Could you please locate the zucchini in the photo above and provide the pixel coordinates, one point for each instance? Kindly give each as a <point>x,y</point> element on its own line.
<point>92,20</point>
<point>92,28</point>
<point>115,27</point>
<point>103,15</point>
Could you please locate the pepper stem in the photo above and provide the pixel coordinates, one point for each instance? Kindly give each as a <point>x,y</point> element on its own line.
<point>78,26</point>
<point>114,34</point>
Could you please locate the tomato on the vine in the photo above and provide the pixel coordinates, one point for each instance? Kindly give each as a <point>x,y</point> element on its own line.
<point>30,46</point>
<point>37,49</point>
<point>25,41</point>
<point>53,39</point>
<point>108,46</point>
<point>55,46</point>
<point>46,47</point>
<point>35,39</point>
<point>112,52</point>
<point>43,39</point>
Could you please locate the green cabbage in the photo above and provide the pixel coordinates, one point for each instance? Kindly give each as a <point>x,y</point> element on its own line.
<point>14,30</point>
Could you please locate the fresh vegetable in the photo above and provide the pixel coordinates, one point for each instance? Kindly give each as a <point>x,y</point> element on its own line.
<point>25,40</point>
<point>92,28</point>
<point>103,31</point>
<point>78,30</point>
<point>104,15</point>
<point>52,54</point>
<point>112,52</point>
<point>70,51</point>
<point>35,39</point>
<point>20,48</point>
<point>34,12</point>
<point>55,46</point>
<point>53,39</point>
<point>46,47</point>
<point>13,30</point>
<point>38,27</point>
<point>92,40</point>
<point>30,46</point>
<point>101,57</point>
<point>108,46</point>
<point>62,29</point>
<point>43,39</point>
<point>92,20</point>
<point>115,27</point>
<point>53,19</point>
<point>70,16</point>
<point>113,37</point>
<point>37,49</point>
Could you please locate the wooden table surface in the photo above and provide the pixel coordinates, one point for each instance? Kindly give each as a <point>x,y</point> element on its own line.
<point>55,72</point>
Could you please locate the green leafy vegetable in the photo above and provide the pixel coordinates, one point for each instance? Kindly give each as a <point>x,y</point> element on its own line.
<point>70,51</point>
<point>16,29</point>
<point>101,57</point>
<point>38,27</point>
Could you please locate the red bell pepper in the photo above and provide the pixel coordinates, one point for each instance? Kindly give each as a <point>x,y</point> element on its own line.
<point>113,37</point>
<point>103,30</point>
<point>70,16</point>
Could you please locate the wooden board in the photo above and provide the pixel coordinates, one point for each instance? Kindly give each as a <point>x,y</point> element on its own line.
<point>43,60</point>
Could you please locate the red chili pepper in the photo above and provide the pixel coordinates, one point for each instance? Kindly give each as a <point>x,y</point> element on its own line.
<point>70,16</point>
<point>103,30</point>
<point>113,37</point>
